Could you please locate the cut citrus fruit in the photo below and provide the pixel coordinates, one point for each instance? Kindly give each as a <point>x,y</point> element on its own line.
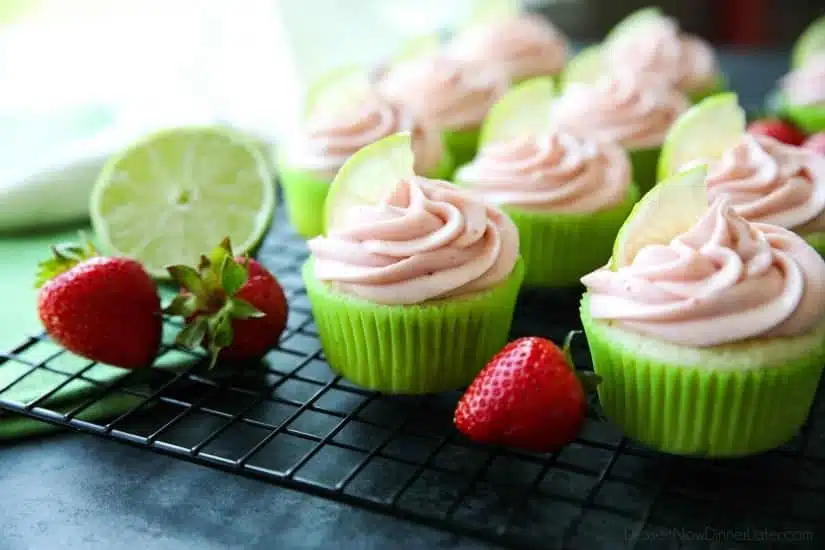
<point>523,110</point>
<point>368,175</point>
<point>809,43</point>
<point>173,195</point>
<point>337,90</point>
<point>665,212</point>
<point>702,133</point>
<point>585,66</point>
<point>635,21</point>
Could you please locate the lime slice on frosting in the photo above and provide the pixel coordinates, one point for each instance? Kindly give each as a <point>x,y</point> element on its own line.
<point>634,22</point>
<point>809,43</point>
<point>668,210</point>
<point>174,194</point>
<point>585,67</point>
<point>523,110</point>
<point>702,133</point>
<point>368,175</point>
<point>337,90</point>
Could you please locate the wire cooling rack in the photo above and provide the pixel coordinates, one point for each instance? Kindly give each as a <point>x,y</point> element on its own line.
<point>293,422</point>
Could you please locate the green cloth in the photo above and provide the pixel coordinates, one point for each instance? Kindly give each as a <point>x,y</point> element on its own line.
<point>18,321</point>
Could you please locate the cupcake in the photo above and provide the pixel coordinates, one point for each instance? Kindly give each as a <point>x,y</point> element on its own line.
<point>568,197</point>
<point>772,182</point>
<point>710,343</point>
<point>413,293</point>
<point>661,49</point>
<point>445,94</point>
<point>517,48</point>
<point>632,110</point>
<point>331,136</point>
<point>802,95</point>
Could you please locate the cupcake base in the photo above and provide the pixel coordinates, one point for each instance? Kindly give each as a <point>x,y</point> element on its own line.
<point>559,249</point>
<point>726,401</point>
<point>645,164</point>
<point>462,145</point>
<point>816,240</point>
<point>415,349</point>
<point>304,195</point>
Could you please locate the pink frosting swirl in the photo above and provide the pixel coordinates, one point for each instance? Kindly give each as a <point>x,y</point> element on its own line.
<point>806,84</point>
<point>771,182</point>
<point>662,50</point>
<point>426,240</point>
<point>556,172</point>
<point>333,136</point>
<point>443,92</point>
<point>725,280</point>
<point>516,47</point>
<point>633,111</point>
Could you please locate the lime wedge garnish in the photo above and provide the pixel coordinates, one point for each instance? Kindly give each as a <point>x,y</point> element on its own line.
<point>702,133</point>
<point>337,90</point>
<point>585,67</point>
<point>367,176</point>
<point>173,195</point>
<point>809,43</point>
<point>666,211</point>
<point>635,21</point>
<point>523,110</point>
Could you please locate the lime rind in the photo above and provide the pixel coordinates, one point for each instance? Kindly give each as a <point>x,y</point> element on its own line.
<point>634,22</point>
<point>666,211</point>
<point>176,192</point>
<point>337,90</point>
<point>585,67</point>
<point>368,175</point>
<point>523,110</point>
<point>810,42</point>
<point>702,133</point>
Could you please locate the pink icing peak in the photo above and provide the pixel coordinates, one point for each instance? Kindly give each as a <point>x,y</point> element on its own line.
<point>557,172</point>
<point>806,84</point>
<point>426,240</point>
<point>771,182</point>
<point>725,280</point>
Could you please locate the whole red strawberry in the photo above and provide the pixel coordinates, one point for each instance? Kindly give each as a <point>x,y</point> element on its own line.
<point>528,396</point>
<point>816,143</point>
<point>103,309</point>
<point>777,129</point>
<point>233,306</point>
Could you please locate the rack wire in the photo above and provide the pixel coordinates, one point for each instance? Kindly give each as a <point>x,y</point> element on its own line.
<point>292,422</point>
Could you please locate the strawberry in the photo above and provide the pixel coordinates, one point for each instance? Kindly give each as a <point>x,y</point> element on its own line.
<point>232,305</point>
<point>816,143</point>
<point>528,396</point>
<point>103,309</point>
<point>777,129</point>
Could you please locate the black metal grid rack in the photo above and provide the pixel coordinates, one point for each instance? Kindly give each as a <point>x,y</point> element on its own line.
<point>293,422</point>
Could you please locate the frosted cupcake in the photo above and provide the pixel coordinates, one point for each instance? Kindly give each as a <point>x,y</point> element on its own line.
<point>517,47</point>
<point>412,292</point>
<point>633,111</point>
<point>331,136</point>
<point>712,342</point>
<point>802,95</point>
<point>661,49</point>
<point>568,197</point>
<point>771,182</point>
<point>445,94</point>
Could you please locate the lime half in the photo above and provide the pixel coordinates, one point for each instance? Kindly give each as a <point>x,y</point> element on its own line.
<point>665,212</point>
<point>524,110</point>
<point>585,67</point>
<point>634,22</point>
<point>173,195</point>
<point>368,176</point>
<point>702,133</point>
<point>809,43</point>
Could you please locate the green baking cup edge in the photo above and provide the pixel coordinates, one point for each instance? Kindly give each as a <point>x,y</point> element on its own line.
<point>559,249</point>
<point>816,240</point>
<point>808,118</point>
<point>412,349</point>
<point>304,194</point>
<point>462,144</point>
<point>722,402</point>
<point>445,168</point>
<point>645,164</point>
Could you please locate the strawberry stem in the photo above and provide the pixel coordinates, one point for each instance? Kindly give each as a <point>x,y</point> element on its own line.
<point>588,379</point>
<point>64,257</point>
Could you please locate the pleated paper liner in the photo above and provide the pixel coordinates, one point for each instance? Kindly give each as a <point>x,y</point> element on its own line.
<point>817,240</point>
<point>462,144</point>
<point>412,349</point>
<point>559,249</point>
<point>305,195</point>
<point>726,401</point>
<point>809,118</point>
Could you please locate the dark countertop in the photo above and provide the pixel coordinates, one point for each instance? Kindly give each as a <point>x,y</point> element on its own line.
<point>74,491</point>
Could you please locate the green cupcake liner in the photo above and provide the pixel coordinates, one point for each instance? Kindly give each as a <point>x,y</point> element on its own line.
<point>698,95</point>
<point>304,194</point>
<point>645,164</point>
<point>816,240</point>
<point>445,168</point>
<point>559,249</point>
<point>415,349</point>
<point>462,144</point>
<point>726,401</point>
<point>809,118</point>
